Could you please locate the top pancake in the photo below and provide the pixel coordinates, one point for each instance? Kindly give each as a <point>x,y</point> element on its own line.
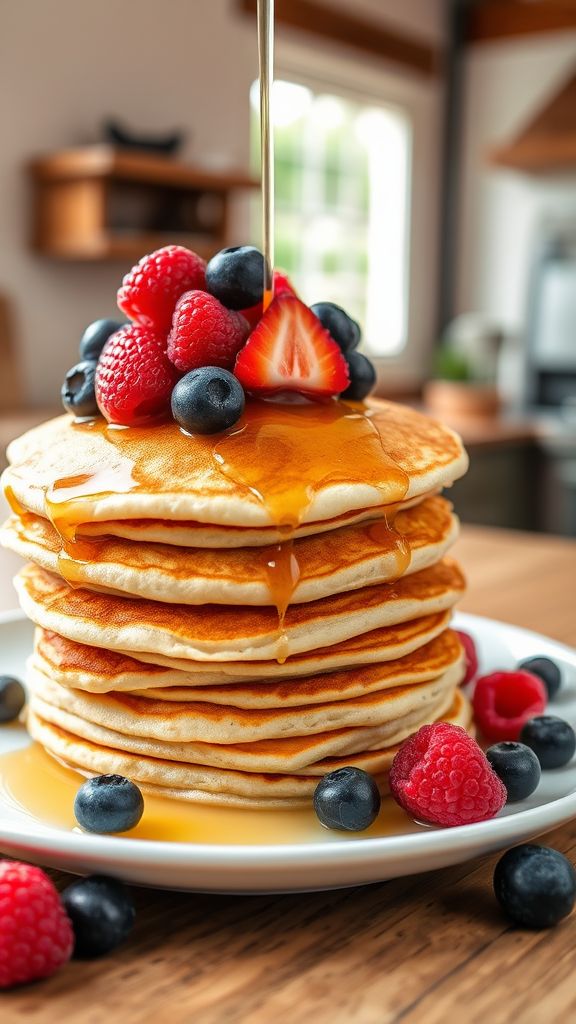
<point>289,464</point>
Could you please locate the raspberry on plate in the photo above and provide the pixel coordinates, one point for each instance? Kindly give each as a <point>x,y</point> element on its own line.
<point>134,377</point>
<point>441,776</point>
<point>470,655</point>
<point>36,935</point>
<point>205,333</point>
<point>150,291</point>
<point>504,701</point>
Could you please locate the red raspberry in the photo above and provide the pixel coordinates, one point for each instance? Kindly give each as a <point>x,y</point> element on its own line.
<point>36,935</point>
<point>471,657</point>
<point>150,291</point>
<point>205,333</point>
<point>134,378</point>
<point>504,701</point>
<point>440,775</point>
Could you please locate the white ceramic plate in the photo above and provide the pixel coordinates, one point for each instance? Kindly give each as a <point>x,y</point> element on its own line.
<point>321,860</point>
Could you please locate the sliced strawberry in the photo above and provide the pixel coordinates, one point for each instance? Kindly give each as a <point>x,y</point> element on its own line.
<point>282,286</point>
<point>289,350</point>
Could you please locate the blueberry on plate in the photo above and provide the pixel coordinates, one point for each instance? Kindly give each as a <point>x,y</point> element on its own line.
<point>235,276</point>
<point>340,326</point>
<point>535,886</point>
<point>207,400</point>
<point>95,337</point>
<point>517,766</point>
<point>552,739</point>
<point>362,377</point>
<point>347,799</point>
<point>108,803</point>
<point>547,670</point>
<point>101,912</point>
<point>12,698</point>
<point>78,394</point>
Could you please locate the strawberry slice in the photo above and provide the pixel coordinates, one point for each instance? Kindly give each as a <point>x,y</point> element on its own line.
<point>282,286</point>
<point>289,350</point>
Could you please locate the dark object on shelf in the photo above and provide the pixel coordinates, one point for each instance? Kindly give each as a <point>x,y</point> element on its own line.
<point>116,135</point>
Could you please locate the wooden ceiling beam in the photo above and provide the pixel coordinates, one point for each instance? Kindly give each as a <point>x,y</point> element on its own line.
<point>497,19</point>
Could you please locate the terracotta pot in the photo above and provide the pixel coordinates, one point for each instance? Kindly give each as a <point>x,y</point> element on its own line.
<point>461,400</point>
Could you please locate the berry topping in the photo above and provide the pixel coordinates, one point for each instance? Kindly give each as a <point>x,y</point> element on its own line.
<point>517,766</point>
<point>347,799</point>
<point>12,698</point>
<point>341,327</point>
<point>150,291</point>
<point>207,401</point>
<point>547,670</point>
<point>236,276</point>
<point>134,377</point>
<point>470,655</point>
<point>205,333</point>
<point>78,394</point>
<point>440,775</point>
<point>101,912</point>
<point>95,337</point>
<point>552,739</point>
<point>35,934</point>
<point>535,886</point>
<point>504,701</point>
<point>362,377</point>
<point>108,803</point>
<point>289,350</point>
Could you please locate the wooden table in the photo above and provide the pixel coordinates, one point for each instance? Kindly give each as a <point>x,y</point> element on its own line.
<point>429,949</point>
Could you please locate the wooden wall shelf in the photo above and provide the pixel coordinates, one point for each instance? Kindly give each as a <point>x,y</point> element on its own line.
<point>101,203</point>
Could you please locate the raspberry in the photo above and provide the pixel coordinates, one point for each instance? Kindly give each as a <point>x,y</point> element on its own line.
<point>134,378</point>
<point>205,333</point>
<point>36,935</point>
<point>440,775</point>
<point>504,701</point>
<point>150,291</point>
<point>471,657</point>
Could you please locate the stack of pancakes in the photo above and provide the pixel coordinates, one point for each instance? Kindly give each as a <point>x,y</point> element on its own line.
<point>228,631</point>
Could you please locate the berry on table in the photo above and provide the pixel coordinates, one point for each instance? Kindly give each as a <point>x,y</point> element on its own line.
<point>150,291</point>
<point>108,803</point>
<point>207,401</point>
<point>205,333</point>
<point>341,327</point>
<point>78,391</point>
<point>134,377</point>
<point>440,775</point>
<point>517,766</point>
<point>235,276</point>
<point>12,698</point>
<point>36,936</point>
<point>289,350</point>
<point>546,670</point>
<point>470,655</point>
<point>102,914</point>
<point>504,701</point>
<point>95,337</point>
<point>362,377</point>
<point>535,886</point>
<point>552,739</point>
<point>347,799</point>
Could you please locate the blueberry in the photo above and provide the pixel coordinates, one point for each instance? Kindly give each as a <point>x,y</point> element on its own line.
<point>341,327</point>
<point>207,400</point>
<point>235,276</point>
<point>518,768</point>
<point>12,698</point>
<point>347,799</point>
<point>362,377</point>
<point>552,739</point>
<point>108,803</point>
<point>95,337</point>
<point>78,395</point>
<point>548,672</point>
<point>101,912</point>
<point>535,886</point>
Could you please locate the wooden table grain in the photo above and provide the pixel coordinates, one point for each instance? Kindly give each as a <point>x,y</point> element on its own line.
<point>432,948</point>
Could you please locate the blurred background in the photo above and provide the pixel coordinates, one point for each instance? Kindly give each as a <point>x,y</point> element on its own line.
<point>426,181</point>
